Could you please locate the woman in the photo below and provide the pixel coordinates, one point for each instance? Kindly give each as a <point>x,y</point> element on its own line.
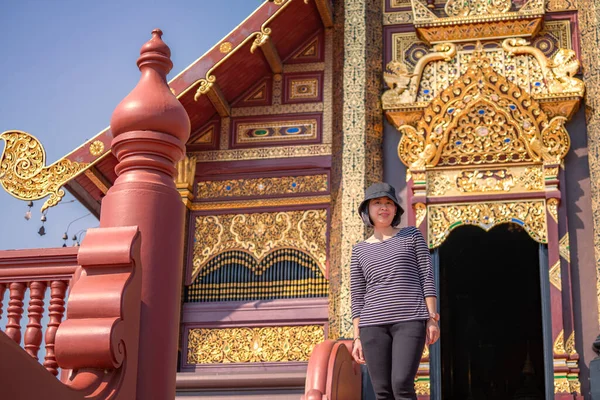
<point>393,297</point>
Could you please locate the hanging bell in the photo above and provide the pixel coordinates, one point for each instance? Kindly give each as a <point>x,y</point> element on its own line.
<point>42,231</point>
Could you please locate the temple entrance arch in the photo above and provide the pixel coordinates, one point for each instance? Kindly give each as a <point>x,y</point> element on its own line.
<point>491,298</point>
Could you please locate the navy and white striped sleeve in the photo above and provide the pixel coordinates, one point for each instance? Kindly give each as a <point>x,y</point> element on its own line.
<point>358,286</point>
<point>424,264</point>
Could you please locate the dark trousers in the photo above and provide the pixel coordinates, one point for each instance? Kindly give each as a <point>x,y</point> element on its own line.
<point>393,353</point>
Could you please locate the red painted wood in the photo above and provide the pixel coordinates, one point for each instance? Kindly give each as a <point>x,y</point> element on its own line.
<point>33,333</point>
<point>56,311</point>
<point>151,128</point>
<point>15,311</point>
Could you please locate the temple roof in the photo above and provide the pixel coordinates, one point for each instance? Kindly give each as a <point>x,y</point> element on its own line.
<point>252,52</point>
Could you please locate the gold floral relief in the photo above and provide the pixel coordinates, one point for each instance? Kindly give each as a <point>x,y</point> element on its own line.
<point>259,234</point>
<point>570,344</point>
<point>249,345</point>
<point>24,174</point>
<point>564,248</point>
<point>555,277</point>
<point>423,387</point>
<point>559,344</point>
<point>519,179</point>
<point>420,213</point>
<point>262,186</point>
<point>552,205</point>
<point>442,219</point>
<point>482,118</point>
<point>561,384</point>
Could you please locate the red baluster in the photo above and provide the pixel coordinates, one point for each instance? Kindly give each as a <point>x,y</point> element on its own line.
<point>2,290</point>
<point>15,311</point>
<point>33,333</point>
<point>56,312</point>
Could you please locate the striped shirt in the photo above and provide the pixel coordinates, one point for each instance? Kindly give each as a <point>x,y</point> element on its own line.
<point>389,280</point>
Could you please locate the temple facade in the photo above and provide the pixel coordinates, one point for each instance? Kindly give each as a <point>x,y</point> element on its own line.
<point>484,115</point>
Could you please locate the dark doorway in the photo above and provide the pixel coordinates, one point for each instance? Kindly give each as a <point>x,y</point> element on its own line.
<point>490,302</point>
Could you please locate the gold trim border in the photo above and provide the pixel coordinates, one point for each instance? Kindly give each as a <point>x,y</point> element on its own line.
<point>259,203</point>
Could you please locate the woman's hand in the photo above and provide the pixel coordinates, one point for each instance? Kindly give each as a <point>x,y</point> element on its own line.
<point>433,331</point>
<point>357,352</point>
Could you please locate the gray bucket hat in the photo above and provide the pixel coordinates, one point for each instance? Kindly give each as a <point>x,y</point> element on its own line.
<point>375,191</point>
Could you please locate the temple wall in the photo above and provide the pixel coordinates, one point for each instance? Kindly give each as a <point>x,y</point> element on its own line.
<point>579,211</point>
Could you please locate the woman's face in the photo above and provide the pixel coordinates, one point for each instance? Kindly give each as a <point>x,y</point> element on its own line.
<point>382,211</point>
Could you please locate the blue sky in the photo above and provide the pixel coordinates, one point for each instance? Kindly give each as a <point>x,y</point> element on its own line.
<point>65,66</point>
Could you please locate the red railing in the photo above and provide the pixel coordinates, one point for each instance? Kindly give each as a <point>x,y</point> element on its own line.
<point>38,271</point>
<point>96,345</point>
<point>332,374</point>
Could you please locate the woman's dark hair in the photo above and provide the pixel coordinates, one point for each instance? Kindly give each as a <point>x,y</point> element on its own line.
<point>364,214</point>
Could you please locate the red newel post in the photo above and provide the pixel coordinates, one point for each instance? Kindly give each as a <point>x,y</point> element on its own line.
<point>150,128</point>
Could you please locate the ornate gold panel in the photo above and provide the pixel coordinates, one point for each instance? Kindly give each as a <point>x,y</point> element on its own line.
<point>555,278</point>
<point>520,179</point>
<point>23,170</point>
<point>303,89</point>
<point>247,345</point>
<point>263,153</point>
<point>259,234</point>
<point>564,247</point>
<point>262,186</point>
<point>442,219</point>
<point>482,118</point>
<point>292,130</point>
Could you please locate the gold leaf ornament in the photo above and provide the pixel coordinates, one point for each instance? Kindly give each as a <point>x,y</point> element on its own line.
<point>23,172</point>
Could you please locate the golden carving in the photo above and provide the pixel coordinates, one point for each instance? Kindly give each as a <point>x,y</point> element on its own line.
<point>438,183</point>
<point>575,386</point>
<point>96,148</point>
<point>254,203</point>
<point>561,384</point>
<point>304,88</point>
<point>225,47</point>
<point>262,186</point>
<point>246,345</point>
<point>259,234</point>
<point>23,172</point>
<point>570,344</point>
<point>482,118</point>
<point>560,5</point>
<point>485,181</point>
<point>423,387</point>
<point>559,344</point>
<point>358,146</point>
<point>305,129</point>
<point>552,205</point>
<point>436,33</point>
<point>564,248</point>
<point>400,17</point>
<point>442,219</point>
<point>496,180</point>
<point>555,278</point>
<point>277,107</point>
<point>461,8</point>
<point>420,213</point>
<point>558,71</point>
<point>404,85</point>
<point>262,153</point>
<point>304,67</point>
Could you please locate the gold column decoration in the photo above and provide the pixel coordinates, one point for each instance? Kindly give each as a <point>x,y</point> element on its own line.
<point>247,345</point>
<point>555,278</point>
<point>24,174</point>
<point>589,23</point>
<point>421,213</point>
<point>358,160</point>
<point>260,234</point>
<point>443,218</point>
<point>553,208</point>
<point>186,170</point>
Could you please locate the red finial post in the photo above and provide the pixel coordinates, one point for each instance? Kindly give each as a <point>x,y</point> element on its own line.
<point>150,128</point>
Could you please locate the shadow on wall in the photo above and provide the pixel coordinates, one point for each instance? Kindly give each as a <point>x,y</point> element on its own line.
<point>576,192</point>
<point>394,172</point>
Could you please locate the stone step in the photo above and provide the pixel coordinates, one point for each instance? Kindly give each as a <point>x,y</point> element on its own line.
<point>230,385</point>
